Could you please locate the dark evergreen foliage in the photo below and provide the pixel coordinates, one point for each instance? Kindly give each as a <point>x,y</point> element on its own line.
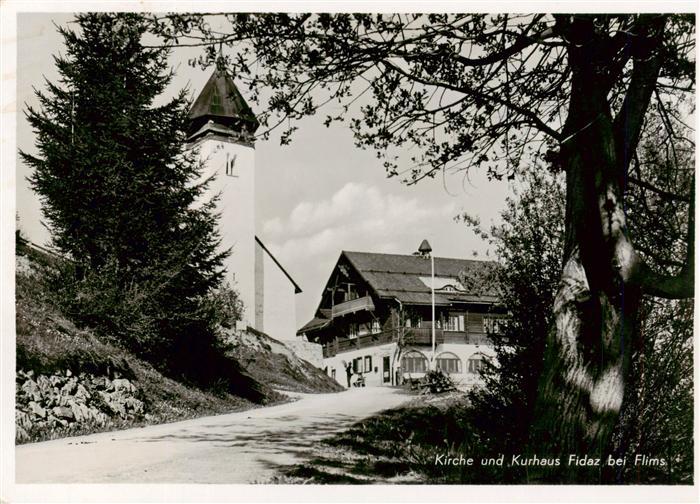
<point>124,199</point>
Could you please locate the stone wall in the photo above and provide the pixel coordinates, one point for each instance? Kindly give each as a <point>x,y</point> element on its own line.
<point>310,352</point>
<point>64,403</point>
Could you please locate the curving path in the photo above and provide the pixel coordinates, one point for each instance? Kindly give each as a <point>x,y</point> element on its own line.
<point>243,447</point>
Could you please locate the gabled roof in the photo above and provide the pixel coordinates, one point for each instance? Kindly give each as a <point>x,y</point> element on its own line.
<point>315,323</point>
<point>221,102</point>
<point>398,276</point>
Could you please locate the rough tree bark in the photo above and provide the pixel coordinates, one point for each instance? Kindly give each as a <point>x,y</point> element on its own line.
<point>589,349</point>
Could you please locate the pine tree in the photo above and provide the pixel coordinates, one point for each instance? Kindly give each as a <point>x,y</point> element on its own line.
<point>123,198</point>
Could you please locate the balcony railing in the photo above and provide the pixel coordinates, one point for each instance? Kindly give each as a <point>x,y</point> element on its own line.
<point>423,336</point>
<point>412,336</point>
<point>469,338</point>
<point>365,341</point>
<point>352,306</point>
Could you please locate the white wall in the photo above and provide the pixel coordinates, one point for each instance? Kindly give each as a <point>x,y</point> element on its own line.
<point>237,209</point>
<point>372,379</point>
<point>463,380</point>
<point>259,287</point>
<point>278,302</point>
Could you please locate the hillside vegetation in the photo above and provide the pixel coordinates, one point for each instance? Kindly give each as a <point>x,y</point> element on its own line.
<point>69,381</point>
<point>270,361</point>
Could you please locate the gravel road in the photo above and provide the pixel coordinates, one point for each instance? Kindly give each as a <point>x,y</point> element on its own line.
<point>244,447</point>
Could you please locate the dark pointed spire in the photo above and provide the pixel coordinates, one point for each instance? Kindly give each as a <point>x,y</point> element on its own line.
<point>220,107</point>
<point>425,249</point>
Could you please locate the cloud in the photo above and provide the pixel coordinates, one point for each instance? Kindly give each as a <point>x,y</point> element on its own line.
<point>361,217</point>
<point>356,217</point>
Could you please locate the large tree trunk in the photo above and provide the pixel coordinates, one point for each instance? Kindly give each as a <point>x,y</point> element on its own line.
<point>587,361</point>
<point>590,346</point>
<point>588,351</point>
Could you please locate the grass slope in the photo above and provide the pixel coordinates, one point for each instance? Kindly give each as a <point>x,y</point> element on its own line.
<point>396,446</point>
<point>271,362</point>
<point>49,344</point>
<point>50,348</point>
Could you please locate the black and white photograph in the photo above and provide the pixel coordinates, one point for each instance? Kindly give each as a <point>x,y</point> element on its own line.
<point>406,246</point>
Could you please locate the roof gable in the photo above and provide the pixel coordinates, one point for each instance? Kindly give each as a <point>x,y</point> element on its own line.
<point>396,276</point>
<point>399,276</point>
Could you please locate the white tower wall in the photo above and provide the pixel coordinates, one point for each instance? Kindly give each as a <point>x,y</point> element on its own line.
<point>275,312</point>
<point>233,165</point>
<point>222,128</point>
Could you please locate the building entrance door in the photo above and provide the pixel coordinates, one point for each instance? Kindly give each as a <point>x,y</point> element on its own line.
<point>386,369</point>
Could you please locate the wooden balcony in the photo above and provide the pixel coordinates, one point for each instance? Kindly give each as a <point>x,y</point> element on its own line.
<point>366,341</point>
<point>352,306</point>
<point>468,338</point>
<point>412,336</point>
<point>423,336</point>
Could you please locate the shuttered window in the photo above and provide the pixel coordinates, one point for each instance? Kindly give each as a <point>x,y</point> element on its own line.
<point>216,105</point>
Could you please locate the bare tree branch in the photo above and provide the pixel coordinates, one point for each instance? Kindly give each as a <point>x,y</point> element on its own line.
<point>628,123</point>
<point>660,192</point>
<point>677,286</point>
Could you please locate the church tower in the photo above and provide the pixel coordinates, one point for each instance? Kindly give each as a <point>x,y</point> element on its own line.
<point>222,126</point>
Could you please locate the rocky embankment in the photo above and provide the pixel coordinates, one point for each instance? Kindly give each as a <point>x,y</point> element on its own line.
<point>70,381</point>
<point>64,404</point>
<point>271,362</point>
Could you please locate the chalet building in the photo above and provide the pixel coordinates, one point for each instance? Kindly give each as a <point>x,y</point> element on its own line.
<point>222,126</point>
<point>375,316</point>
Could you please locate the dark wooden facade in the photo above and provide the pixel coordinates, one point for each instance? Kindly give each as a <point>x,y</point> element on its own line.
<point>353,313</point>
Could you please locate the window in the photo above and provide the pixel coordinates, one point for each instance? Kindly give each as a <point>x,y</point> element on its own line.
<point>492,325</point>
<point>413,321</point>
<point>353,330</point>
<point>476,363</point>
<point>357,365</point>
<point>231,165</point>
<point>376,327</point>
<point>442,283</point>
<point>368,364</point>
<point>414,362</point>
<point>448,363</point>
<point>454,322</point>
<point>351,293</point>
<point>216,106</point>
<point>333,373</point>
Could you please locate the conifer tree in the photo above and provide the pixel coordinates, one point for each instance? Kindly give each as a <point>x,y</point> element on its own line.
<point>123,198</point>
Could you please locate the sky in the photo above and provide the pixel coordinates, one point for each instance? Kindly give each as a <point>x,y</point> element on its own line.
<point>314,198</point>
